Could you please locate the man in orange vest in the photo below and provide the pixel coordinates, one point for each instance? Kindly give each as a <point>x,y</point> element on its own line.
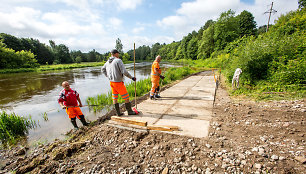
<point>155,78</point>
<point>114,70</point>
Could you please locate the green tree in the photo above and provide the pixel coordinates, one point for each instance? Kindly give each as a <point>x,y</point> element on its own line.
<point>206,45</point>
<point>226,29</point>
<point>92,56</point>
<point>246,23</point>
<point>302,3</point>
<point>154,50</point>
<point>192,48</point>
<point>119,46</point>
<point>11,42</point>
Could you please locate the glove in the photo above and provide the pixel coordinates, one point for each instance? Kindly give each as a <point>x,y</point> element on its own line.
<point>134,79</point>
<point>162,77</point>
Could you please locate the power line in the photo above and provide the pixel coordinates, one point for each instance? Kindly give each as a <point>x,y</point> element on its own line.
<point>270,11</point>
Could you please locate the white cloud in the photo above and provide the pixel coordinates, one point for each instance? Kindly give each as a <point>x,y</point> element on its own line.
<point>138,30</point>
<point>127,4</point>
<point>115,23</point>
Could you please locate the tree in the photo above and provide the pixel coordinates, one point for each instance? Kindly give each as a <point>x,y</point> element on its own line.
<point>154,50</point>
<point>119,46</point>
<point>92,56</point>
<point>11,42</point>
<point>206,45</point>
<point>226,29</point>
<point>192,48</point>
<point>246,23</point>
<point>302,3</point>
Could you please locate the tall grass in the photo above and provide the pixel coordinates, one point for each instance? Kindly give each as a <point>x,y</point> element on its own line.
<point>143,87</point>
<point>13,127</point>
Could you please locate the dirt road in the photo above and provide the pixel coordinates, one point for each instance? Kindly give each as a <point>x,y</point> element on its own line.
<point>244,136</point>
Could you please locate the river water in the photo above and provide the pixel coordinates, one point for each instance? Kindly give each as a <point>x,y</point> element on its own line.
<point>37,93</point>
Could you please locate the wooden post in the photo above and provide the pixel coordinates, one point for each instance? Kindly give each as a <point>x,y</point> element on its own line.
<point>135,80</point>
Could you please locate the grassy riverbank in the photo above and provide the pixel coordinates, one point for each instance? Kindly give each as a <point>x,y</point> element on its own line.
<point>52,67</point>
<point>143,87</point>
<point>14,127</point>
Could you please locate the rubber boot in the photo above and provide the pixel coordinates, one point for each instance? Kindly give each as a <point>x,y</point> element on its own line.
<point>118,109</point>
<point>73,121</point>
<point>82,119</point>
<point>129,109</point>
<point>157,93</point>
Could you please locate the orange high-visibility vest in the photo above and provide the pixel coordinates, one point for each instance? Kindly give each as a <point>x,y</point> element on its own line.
<point>153,71</point>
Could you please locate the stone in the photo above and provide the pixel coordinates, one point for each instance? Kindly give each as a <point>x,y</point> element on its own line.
<point>257,166</point>
<point>208,146</point>
<point>300,159</point>
<point>274,157</point>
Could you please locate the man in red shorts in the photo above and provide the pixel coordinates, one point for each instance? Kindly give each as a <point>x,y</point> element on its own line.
<point>114,70</point>
<point>68,99</point>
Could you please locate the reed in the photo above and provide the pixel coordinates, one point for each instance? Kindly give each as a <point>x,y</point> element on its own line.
<point>143,87</point>
<point>13,127</point>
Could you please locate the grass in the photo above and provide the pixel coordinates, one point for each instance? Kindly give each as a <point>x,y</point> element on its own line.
<point>143,87</point>
<point>52,67</point>
<point>13,127</point>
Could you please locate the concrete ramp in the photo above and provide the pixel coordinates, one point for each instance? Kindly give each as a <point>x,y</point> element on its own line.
<point>187,105</point>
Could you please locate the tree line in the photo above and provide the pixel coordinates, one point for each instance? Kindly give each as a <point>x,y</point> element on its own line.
<point>28,53</point>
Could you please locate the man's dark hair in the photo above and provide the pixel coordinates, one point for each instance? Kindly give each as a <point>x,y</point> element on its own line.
<point>114,51</point>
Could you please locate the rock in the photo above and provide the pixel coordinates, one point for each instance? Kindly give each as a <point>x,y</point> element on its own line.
<point>261,151</point>
<point>21,151</point>
<point>300,159</point>
<point>257,166</point>
<point>241,156</point>
<point>208,146</point>
<point>156,147</point>
<point>281,158</point>
<point>274,157</point>
<point>165,171</point>
<point>255,149</point>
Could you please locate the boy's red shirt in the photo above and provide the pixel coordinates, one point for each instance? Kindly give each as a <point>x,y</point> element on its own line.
<point>69,97</point>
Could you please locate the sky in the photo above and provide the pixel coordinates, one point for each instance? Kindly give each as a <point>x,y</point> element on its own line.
<point>97,24</point>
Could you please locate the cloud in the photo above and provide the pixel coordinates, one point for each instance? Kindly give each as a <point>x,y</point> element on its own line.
<point>127,4</point>
<point>138,30</point>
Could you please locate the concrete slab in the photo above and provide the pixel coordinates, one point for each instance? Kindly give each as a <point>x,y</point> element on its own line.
<point>188,127</point>
<point>187,105</point>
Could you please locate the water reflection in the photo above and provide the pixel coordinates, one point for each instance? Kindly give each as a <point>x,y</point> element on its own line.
<point>36,93</point>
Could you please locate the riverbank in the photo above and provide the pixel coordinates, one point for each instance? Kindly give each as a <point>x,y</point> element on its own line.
<point>52,67</point>
<point>244,136</point>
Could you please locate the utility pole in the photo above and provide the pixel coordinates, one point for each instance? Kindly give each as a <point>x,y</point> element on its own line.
<point>270,11</point>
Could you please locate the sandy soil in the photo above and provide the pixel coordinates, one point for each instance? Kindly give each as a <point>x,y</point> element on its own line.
<point>245,136</point>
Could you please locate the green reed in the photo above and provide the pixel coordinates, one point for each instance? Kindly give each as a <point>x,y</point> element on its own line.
<point>13,126</point>
<point>142,87</point>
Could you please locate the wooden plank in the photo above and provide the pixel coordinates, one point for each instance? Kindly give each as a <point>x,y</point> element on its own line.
<point>173,128</point>
<point>163,128</point>
<point>129,121</point>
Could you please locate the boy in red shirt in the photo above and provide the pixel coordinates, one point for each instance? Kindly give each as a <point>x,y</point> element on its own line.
<point>68,100</point>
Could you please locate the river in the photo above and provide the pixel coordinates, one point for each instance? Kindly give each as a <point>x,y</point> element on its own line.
<point>37,93</point>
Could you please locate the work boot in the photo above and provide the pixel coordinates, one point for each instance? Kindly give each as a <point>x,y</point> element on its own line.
<point>152,97</point>
<point>157,96</point>
<point>129,109</point>
<point>73,121</point>
<point>82,119</point>
<point>118,109</point>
